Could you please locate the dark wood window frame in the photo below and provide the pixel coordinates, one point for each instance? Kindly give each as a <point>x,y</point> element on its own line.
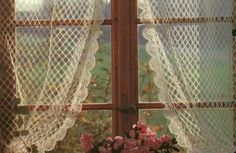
<point>124,23</point>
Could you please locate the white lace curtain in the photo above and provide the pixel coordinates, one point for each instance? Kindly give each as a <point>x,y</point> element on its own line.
<point>51,66</point>
<point>192,61</point>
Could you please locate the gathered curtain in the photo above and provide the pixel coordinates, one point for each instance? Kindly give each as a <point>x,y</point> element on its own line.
<point>190,44</point>
<point>51,66</point>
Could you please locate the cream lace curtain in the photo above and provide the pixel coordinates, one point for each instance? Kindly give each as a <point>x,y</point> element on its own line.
<point>193,64</point>
<point>51,66</point>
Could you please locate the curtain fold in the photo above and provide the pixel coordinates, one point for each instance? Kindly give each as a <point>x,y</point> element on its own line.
<point>52,67</point>
<point>191,55</point>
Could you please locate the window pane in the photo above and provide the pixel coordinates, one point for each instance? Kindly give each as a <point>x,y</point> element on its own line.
<point>107,9</point>
<point>100,84</point>
<point>148,91</point>
<point>43,9</point>
<point>156,120</point>
<point>188,8</point>
<point>203,71</point>
<point>97,123</point>
<point>32,44</point>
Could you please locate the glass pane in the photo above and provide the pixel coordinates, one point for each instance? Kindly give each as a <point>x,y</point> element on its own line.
<point>188,8</point>
<point>156,121</point>
<point>148,91</point>
<point>205,69</point>
<point>32,44</point>
<point>42,9</point>
<point>100,84</point>
<point>107,9</point>
<point>98,123</point>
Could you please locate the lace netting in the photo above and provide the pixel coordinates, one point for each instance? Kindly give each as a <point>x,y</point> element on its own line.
<point>193,65</point>
<point>48,67</point>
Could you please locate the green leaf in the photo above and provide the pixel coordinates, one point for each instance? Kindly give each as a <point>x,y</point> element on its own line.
<point>28,149</point>
<point>17,134</point>
<point>174,141</point>
<point>16,101</point>
<point>3,72</point>
<point>19,122</point>
<point>21,133</point>
<point>234,32</point>
<point>23,110</point>
<point>100,60</point>
<point>175,148</point>
<point>24,133</point>
<point>34,149</point>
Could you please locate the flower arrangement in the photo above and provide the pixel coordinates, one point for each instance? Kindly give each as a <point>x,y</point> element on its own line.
<point>140,139</point>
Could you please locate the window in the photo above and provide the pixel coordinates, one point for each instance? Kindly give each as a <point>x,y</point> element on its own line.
<point>121,78</point>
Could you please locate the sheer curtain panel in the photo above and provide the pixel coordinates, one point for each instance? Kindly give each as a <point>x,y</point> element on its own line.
<point>190,44</point>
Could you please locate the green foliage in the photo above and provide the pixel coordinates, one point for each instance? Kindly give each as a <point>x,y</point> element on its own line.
<point>32,149</point>
<point>234,32</point>
<point>3,72</point>
<point>21,133</point>
<point>21,110</point>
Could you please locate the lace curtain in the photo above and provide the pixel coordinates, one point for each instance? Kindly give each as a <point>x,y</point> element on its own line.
<point>51,66</point>
<point>190,44</point>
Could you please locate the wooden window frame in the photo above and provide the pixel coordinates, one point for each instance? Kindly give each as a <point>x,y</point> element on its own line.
<point>124,24</point>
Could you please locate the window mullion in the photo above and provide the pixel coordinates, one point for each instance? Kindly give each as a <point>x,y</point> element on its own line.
<point>124,41</point>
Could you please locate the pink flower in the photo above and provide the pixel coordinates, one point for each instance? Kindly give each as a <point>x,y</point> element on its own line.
<point>142,127</point>
<point>102,150</point>
<point>141,136</point>
<point>143,149</point>
<point>109,150</point>
<point>130,143</point>
<point>118,141</point>
<point>132,134</point>
<point>151,140</point>
<point>105,150</point>
<point>109,139</point>
<point>138,142</point>
<point>86,141</point>
<point>166,138</point>
<point>131,150</point>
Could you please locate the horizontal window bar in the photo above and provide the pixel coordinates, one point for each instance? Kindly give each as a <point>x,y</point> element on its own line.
<point>159,105</point>
<point>26,23</point>
<point>92,106</point>
<point>190,20</point>
<point>156,105</point>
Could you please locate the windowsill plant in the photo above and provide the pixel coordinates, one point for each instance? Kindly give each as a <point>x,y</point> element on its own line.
<point>140,139</point>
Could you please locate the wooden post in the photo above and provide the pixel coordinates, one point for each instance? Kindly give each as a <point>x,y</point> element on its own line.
<point>7,84</point>
<point>125,71</point>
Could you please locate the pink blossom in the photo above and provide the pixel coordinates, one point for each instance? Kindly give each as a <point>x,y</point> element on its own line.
<point>143,149</point>
<point>118,141</point>
<point>166,138</point>
<point>132,134</point>
<point>105,150</point>
<point>151,140</point>
<point>109,150</point>
<point>131,150</point>
<point>141,136</point>
<point>116,146</point>
<point>143,128</point>
<point>102,150</point>
<point>138,142</point>
<point>109,139</point>
<point>86,141</point>
<point>130,143</point>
